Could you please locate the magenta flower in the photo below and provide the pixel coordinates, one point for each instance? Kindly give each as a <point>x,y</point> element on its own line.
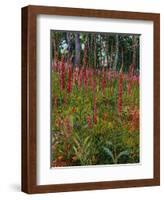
<point>120,88</point>
<point>69,82</point>
<point>80,76</point>
<point>62,74</point>
<point>89,122</point>
<point>85,78</point>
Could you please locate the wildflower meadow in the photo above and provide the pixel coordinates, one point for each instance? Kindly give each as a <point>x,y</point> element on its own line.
<point>95,90</point>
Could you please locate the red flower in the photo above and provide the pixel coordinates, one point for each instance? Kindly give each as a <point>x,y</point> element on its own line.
<point>62,74</point>
<point>85,78</point>
<point>120,88</point>
<point>89,122</point>
<point>69,82</point>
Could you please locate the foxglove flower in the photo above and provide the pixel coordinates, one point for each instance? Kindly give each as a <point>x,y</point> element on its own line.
<point>120,88</point>
<point>85,78</point>
<point>80,78</point>
<point>69,82</point>
<point>89,122</point>
<point>62,74</point>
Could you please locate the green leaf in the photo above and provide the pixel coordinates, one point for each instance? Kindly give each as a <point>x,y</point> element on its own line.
<point>75,149</point>
<point>109,152</point>
<point>86,140</point>
<point>123,153</point>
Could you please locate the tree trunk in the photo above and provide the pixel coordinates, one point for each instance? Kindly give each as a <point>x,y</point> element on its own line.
<point>68,41</point>
<point>54,48</point>
<point>95,51</point>
<point>101,49</point>
<point>111,56</point>
<point>77,48</point>
<point>122,59</point>
<point>107,50</point>
<point>134,45</point>
<point>69,46</point>
<point>116,53</point>
<point>91,50</point>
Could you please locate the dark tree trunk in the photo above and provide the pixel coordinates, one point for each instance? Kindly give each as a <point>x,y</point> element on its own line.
<point>94,50</point>
<point>111,56</point>
<point>107,50</point>
<point>54,48</point>
<point>134,45</point>
<point>68,41</point>
<point>122,59</point>
<point>69,46</point>
<point>101,57</point>
<point>116,52</point>
<point>77,48</point>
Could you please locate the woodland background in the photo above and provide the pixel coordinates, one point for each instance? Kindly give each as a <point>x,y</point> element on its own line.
<point>109,50</point>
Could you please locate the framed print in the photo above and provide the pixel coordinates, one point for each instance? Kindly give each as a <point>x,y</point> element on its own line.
<point>90,99</point>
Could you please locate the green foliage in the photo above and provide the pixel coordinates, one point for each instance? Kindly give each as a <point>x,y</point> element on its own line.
<point>78,140</point>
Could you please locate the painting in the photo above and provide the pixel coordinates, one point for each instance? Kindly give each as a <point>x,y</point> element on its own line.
<point>90,99</point>
<point>95,95</point>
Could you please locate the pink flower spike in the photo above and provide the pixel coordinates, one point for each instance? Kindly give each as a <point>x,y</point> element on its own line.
<point>80,78</point>
<point>120,90</point>
<point>85,78</point>
<point>69,82</point>
<point>62,74</point>
<point>88,119</point>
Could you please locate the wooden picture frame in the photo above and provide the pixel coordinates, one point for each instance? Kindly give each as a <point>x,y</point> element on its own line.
<point>29,91</point>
